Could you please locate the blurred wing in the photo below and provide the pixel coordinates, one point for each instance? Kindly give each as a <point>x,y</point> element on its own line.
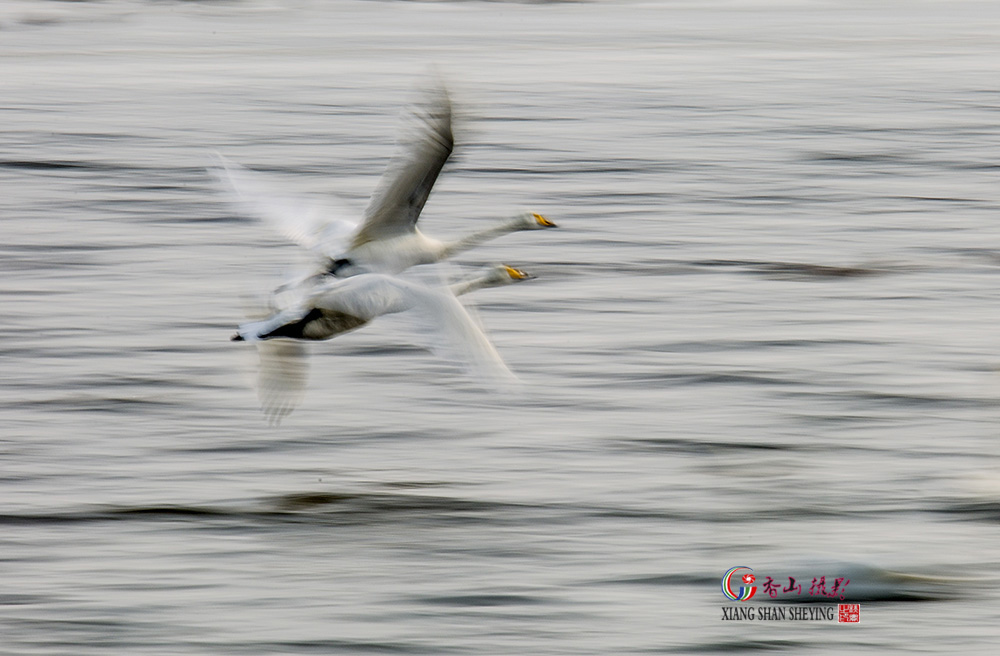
<point>320,227</point>
<point>423,148</point>
<point>454,334</point>
<point>456,337</point>
<point>281,377</point>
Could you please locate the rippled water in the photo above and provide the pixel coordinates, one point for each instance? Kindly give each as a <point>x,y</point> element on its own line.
<point>765,334</point>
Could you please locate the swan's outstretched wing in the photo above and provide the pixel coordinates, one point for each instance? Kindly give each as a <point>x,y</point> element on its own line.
<point>455,336</point>
<point>282,367</point>
<point>281,377</point>
<point>458,338</point>
<point>407,181</point>
<point>320,227</point>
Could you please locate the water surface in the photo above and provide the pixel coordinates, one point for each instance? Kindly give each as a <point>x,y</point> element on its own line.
<point>765,334</point>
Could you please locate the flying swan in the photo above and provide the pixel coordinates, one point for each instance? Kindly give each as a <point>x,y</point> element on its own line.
<point>387,239</point>
<point>335,306</point>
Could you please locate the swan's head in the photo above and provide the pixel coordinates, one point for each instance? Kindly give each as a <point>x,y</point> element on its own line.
<point>501,274</point>
<point>532,221</point>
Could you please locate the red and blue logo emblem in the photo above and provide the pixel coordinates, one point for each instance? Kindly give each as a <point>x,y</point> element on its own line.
<point>746,591</point>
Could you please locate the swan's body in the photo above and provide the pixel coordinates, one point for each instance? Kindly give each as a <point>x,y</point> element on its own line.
<point>387,239</point>
<point>334,306</point>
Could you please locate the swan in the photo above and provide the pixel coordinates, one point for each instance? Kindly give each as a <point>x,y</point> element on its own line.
<point>387,239</point>
<point>334,306</point>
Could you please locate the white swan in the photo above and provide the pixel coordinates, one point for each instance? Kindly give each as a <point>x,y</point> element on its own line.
<point>333,306</point>
<point>387,240</point>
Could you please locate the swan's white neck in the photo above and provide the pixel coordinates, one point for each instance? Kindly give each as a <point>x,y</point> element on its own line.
<point>471,285</point>
<point>476,238</point>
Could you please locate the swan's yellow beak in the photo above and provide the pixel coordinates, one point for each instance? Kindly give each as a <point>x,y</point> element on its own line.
<point>542,221</point>
<point>517,274</point>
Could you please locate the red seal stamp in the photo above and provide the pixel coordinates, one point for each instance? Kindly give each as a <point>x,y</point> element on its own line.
<point>849,613</point>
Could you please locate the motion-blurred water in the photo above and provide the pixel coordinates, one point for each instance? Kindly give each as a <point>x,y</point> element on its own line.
<point>765,334</point>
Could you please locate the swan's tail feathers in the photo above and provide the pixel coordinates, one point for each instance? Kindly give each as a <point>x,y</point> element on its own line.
<point>321,226</point>
<point>282,375</point>
<point>283,324</point>
<point>250,331</point>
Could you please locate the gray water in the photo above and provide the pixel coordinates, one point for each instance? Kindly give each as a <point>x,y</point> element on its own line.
<point>764,334</point>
